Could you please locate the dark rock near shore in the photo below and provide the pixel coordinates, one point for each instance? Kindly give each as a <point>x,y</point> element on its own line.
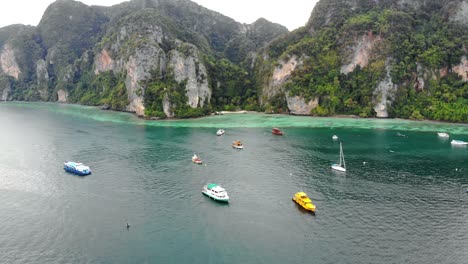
<point>105,107</point>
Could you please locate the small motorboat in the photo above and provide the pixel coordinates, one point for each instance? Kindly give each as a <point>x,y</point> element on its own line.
<point>196,159</point>
<point>277,131</point>
<point>237,144</point>
<point>303,200</point>
<point>443,135</point>
<point>76,168</point>
<point>335,137</point>
<point>458,142</point>
<point>220,132</point>
<point>215,192</point>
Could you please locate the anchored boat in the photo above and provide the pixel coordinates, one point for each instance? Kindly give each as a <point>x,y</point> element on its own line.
<point>458,142</point>
<point>303,200</point>
<point>220,132</point>
<point>277,131</point>
<point>443,135</point>
<point>77,168</point>
<point>216,192</point>
<point>196,159</point>
<point>342,165</point>
<point>237,144</point>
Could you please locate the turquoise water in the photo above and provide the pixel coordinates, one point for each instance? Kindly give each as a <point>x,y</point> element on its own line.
<point>406,204</point>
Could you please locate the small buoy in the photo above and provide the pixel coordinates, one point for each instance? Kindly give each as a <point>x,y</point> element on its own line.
<point>128,226</point>
<point>456,169</point>
<point>364,162</point>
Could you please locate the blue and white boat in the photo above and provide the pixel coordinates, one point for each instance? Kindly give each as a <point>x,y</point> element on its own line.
<point>77,168</point>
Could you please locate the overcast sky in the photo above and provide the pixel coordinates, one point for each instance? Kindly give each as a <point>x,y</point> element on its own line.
<point>289,13</point>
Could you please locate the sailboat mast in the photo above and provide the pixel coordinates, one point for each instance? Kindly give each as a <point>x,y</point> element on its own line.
<point>342,156</point>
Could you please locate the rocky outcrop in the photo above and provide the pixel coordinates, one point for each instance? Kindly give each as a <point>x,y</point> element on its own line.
<point>167,107</point>
<point>462,68</point>
<point>384,93</point>
<point>281,74</point>
<point>187,67</point>
<point>462,14</point>
<point>6,93</point>
<point>42,76</point>
<point>103,62</point>
<point>5,89</point>
<point>8,62</point>
<point>62,96</point>
<point>361,52</point>
<point>147,59</point>
<point>298,106</point>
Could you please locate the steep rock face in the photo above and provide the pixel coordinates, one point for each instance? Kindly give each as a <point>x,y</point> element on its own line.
<point>462,68</point>
<point>42,76</point>
<point>384,93</point>
<point>5,93</point>
<point>103,62</point>
<point>361,52</point>
<point>298,106</point>
<point>62,96</point>
<point>146,59</point>
<point>281,74</point>
<point>188,68</point>
<point>140,62</point>
<point>5,89</point>
<point>462,14</point>
<point>167,107</point>
<point>329,12</point>
<point>8,62</point>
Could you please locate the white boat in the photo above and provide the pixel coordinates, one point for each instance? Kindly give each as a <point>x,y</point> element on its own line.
<point>335,137</point>
<point>215,192</point>
<point>443,135</point>
<point>342,165</point>
<point>237,145</point>
<point>220,132</point>
<point>77,168</point>
<point>458,142</point>
<point>196,159</point>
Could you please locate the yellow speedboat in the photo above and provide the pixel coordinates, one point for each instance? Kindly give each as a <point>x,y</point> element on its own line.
<point>303,200</point>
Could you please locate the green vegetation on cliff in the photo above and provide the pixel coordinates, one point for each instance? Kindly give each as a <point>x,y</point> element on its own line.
<point>416,47</point>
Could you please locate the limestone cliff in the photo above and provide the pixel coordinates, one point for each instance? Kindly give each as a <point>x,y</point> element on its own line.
<point>384,94</point>
<point>188,68</point>
<point>360,52</point>
<point>372,58</point>
<point>8,62</point>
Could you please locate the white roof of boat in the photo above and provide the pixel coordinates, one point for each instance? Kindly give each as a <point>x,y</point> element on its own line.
<point>218,188</point>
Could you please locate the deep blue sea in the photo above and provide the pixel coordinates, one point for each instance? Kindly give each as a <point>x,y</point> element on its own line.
<point>403,199</point>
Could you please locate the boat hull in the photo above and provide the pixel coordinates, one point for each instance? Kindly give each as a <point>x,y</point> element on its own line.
<point>298,202</point>
<point>222,200</point>
<point>458,142</point>
<point>338,168</point>
<point>238,147</point>
<point>74,171</point>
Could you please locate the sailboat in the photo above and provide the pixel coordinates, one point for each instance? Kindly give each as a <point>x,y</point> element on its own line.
<point>342,165</point>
